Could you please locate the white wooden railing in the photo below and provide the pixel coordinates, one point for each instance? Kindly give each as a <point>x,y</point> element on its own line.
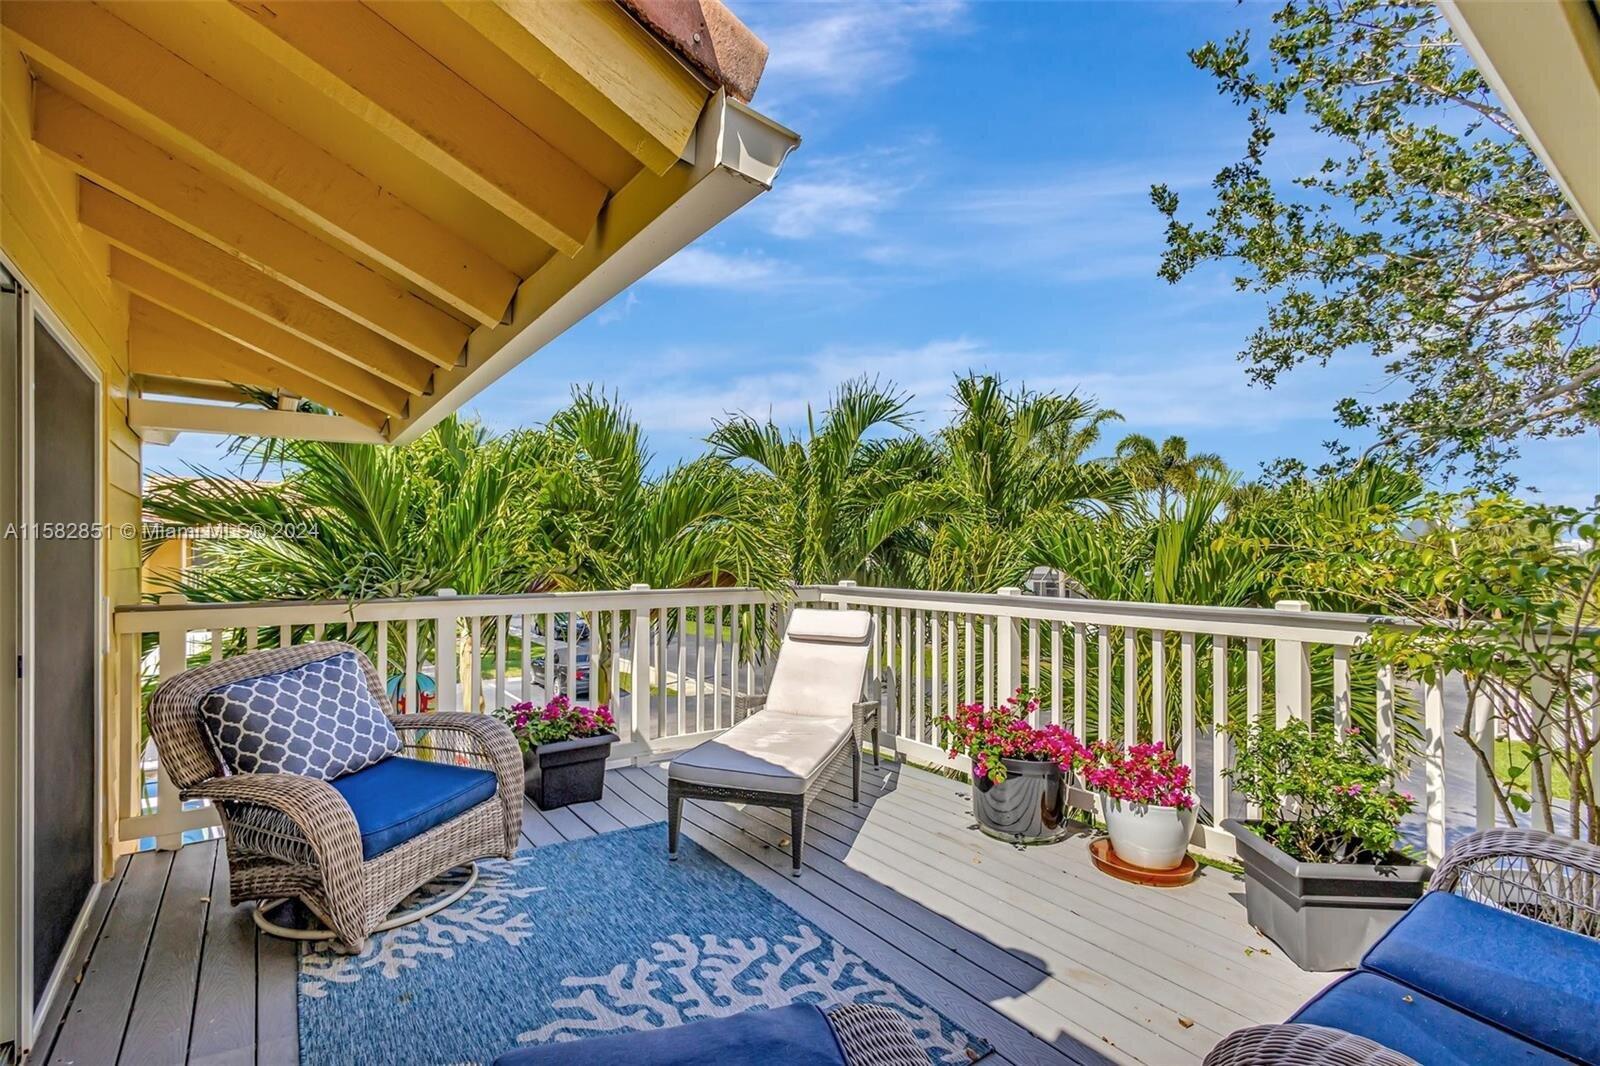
<point>703,649</point>
<point>1125,671</point>
<point>1182,664</point>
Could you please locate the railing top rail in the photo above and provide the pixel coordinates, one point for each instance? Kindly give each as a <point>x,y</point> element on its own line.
<point>1179,616</point>
<point>140,618</point>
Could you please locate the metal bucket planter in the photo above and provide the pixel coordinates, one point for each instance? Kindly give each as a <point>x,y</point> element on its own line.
<point>1146,835</point>
<point>1323,915</point>
<point>568,771</point>
<point>1028,807</point>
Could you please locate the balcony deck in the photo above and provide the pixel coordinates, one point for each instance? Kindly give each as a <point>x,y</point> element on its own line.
<point>1031,948</point>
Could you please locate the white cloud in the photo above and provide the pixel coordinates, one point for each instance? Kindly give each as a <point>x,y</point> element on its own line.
<point>703,268</point>
<point>840,49</point>
<point>809,207</point>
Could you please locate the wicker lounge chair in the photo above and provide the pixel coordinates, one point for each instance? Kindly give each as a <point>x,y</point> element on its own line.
<point>351,842</point>
<point>811,715</point>
<point>1499,962</point>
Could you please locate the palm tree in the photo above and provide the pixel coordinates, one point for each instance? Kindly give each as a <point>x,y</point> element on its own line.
<point>1012,465</point>
<point>602,521</point>
<point>1166,469</point>
<point>846,500</point>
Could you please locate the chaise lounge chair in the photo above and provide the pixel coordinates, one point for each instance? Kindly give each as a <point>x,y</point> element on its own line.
<point>812,715</point>
<point>1499,963</point>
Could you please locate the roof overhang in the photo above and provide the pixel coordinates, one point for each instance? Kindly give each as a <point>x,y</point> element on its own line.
<point>382,206</point>
<point>1543,61</point>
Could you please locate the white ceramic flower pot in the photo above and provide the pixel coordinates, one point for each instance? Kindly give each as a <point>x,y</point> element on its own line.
<point>1156,838</point>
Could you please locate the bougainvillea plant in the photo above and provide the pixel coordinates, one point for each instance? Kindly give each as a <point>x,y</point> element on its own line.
<point>1322,799</point>
<point>989,735</point>
<point>558,720</point>
<point>1147,774</point>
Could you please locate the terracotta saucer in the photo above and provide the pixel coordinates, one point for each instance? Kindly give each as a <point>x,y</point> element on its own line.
<point>1109,862</point>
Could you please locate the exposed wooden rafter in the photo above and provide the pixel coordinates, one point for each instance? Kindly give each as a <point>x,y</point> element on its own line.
<point>168,345</point>
<point>373,70</point>
<point>139,171</point>
<point>164,96</point>
<point>602,62</point>
<point>131,227</point>
<point>181,298</point>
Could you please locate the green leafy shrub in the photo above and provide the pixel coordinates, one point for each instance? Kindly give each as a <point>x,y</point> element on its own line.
<point>1322,799</point>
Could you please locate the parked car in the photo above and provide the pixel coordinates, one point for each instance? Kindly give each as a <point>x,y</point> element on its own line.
<point>580,690</point>
<point>559,623</point>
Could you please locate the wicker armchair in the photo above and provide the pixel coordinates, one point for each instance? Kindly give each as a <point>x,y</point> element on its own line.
<point>297,837</point>
<point>1555,880</point>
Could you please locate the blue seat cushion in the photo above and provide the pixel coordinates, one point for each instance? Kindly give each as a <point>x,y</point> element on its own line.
<point>401,798</point>
<point>319,719</point>
<point>796,1035</point>
<point>1414,1023</point>
<point>1538,981</point>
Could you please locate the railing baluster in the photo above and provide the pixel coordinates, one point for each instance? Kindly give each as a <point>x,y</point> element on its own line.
<point>525,657</point>
<point>1385,714</point>
<point>1433,762</point>
<point>1221,755</point>
<point>935,673</point>
<point>574,623</point>
<point>549,642</point>
<point>1130,685</point>
<point>1080,681</point>
<point>1252,698</point>
<point>252,638</point>
<point>412,706</point>
<point>733,668</point>
<point>660,643</point>
<point>991,663</point>
<point>951,669</point>
<point>1186,698</point>
<point>474,678</point>
<point>970,683</point>
<point>903,631</point>
<point>1103,675</point>
<point>1033,665</point>
<point>502,628</point>
<point>616,661</point>
<point>285,636</point>
<point>216,645</point>
<point>1341,689</point>
<point>916,671</point>
<point>1057,711</point>
<point>716,668</point>
<point>683,662</point>
<point>707,721</point>
<point>1158,685</point>
<point>380,642</point>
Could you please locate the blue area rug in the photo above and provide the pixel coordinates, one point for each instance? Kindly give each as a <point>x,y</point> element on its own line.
<point>581,939</point>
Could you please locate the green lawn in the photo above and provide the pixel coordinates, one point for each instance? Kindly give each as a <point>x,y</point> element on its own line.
<point>1508,751</point>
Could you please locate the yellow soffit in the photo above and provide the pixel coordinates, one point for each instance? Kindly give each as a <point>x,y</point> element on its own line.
<point>380,206</point>
<point>1543,61</point>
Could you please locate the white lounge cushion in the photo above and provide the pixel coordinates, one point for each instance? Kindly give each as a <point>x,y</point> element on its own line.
<point>768,752</point>
<point>830,627</point>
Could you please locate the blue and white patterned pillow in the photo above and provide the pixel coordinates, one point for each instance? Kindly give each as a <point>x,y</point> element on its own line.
<point>317,720</point>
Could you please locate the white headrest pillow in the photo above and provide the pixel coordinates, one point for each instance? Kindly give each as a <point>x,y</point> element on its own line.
<point>829,627</point>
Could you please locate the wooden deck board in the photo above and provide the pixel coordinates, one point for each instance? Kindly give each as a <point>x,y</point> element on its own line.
<point>1032,948</point>
<point>163,1006</point>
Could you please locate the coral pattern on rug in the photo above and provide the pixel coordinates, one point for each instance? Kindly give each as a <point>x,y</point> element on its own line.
<point>581,939</point>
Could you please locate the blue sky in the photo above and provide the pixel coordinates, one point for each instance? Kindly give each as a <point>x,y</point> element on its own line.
<point>971,193</point>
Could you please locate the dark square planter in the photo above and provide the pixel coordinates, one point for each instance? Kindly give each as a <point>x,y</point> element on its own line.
<point>569,771</point>
<point>1323,915</point>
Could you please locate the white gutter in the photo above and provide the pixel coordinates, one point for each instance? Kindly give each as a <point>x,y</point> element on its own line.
<point>737,155</point>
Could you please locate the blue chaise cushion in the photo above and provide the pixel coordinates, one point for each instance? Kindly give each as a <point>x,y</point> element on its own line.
<point>1538,981</point>
<point>1414,1023</point>
<point>401,798</point>
<point>796,1035</point>
<point>318,719</point>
